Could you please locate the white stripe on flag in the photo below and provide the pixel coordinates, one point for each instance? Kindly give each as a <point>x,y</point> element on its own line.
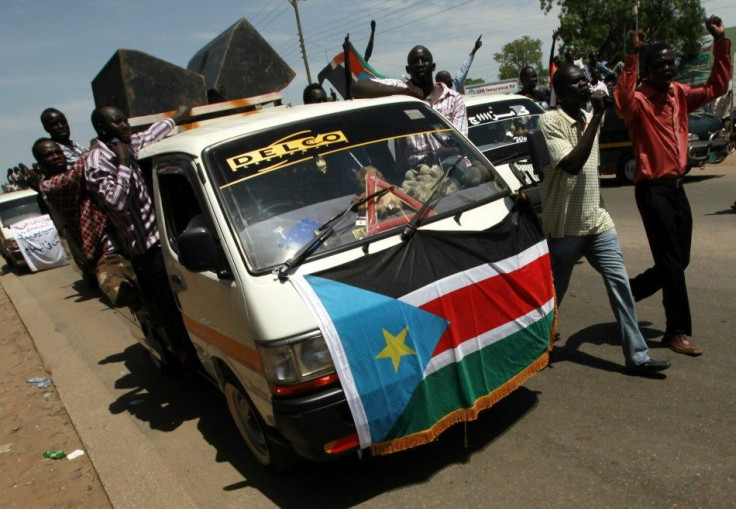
<point>327,327</point>
<point>475,275</point>
<point>478,343</point>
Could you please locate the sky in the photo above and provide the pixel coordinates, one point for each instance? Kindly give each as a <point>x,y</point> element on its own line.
<point>51,50</point>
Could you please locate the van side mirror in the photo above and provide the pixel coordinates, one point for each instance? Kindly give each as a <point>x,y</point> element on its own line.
<point>538,152</point>
<point>197,249</point>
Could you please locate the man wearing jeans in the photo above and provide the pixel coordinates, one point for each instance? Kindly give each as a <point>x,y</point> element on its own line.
<point>574,221</point>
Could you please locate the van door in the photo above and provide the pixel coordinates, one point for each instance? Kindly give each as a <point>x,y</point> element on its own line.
<point>211,302</point>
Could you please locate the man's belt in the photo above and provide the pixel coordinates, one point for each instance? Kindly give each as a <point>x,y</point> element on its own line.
<point>668,182</point>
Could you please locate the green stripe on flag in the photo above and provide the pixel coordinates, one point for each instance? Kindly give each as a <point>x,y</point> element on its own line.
<point>460,385</point>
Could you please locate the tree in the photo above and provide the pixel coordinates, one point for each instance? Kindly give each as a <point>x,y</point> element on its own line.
<point>518,54</point>
<point>473,81</point>
<point>602,25</point>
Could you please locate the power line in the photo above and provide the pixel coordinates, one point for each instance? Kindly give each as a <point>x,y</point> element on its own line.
<point>255,16</point>
<point>373,9</point>
<point>277,16</point>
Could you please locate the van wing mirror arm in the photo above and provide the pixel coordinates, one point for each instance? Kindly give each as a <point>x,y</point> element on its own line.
<point>538,152</point>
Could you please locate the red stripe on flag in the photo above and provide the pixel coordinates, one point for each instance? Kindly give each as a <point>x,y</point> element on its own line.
<point>478,308</point>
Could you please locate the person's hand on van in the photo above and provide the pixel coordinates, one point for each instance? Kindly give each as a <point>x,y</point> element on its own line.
<point>181,113</point>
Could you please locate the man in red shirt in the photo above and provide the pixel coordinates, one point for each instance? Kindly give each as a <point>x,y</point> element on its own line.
<point>656,117</point>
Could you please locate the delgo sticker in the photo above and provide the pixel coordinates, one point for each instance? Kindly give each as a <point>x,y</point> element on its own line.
<point>290,145</point>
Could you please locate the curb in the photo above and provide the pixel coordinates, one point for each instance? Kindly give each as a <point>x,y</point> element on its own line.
<point>115,446</point>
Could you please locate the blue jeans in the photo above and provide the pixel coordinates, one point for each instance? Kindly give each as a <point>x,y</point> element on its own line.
<point>604,254</point>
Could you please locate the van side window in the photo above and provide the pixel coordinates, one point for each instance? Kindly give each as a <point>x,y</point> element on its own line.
<point>180,203</point>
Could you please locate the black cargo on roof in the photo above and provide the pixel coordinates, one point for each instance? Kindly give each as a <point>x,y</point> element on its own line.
<point>240,63</point>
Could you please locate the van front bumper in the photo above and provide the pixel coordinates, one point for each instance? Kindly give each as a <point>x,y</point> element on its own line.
<point>312,421</point>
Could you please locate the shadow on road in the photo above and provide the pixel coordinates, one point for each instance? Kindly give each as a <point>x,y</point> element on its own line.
<point>166,402</point>
<point>84,292</point>
<point>730,210</point>
<point>599,334</point>
<point>688,179</point>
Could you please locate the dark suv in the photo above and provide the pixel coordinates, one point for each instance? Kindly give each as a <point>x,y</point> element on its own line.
<point>499,124</point>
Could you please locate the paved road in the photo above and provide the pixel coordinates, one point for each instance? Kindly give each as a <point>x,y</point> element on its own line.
<point>580,434</point>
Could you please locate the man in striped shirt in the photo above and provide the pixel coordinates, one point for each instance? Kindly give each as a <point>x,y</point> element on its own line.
<point>116,181</point>
<point>447,102</point>
<point>54,122</point>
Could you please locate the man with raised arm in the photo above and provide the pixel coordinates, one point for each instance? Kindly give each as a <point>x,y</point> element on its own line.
<point>420,66</point>
<point>573,218</point>
<point>116,181</point>
<point>656,116</point>
<point>456,83</point>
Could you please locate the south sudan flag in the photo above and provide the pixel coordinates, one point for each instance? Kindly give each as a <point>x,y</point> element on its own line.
<point>334,72</point>
<point>431,331</point>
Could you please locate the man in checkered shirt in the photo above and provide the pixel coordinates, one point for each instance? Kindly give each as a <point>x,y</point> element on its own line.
<point>573,218</point>
<point>79,219</point>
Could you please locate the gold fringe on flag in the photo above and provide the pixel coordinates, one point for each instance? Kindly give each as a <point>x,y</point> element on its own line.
<point>463,414</point>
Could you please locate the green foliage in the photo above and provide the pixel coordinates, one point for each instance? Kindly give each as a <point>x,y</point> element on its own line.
<point>603,25</point>
<point>473,81</point>
<point>517,54</point>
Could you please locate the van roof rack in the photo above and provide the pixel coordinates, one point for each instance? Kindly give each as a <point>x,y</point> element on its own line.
<point>200,115</point>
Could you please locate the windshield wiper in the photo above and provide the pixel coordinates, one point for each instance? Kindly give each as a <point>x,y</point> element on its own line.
<point>322,232</point>
<point>412,226</point>
<point>510,157</point>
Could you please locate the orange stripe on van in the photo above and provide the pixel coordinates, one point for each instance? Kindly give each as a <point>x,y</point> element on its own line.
<point>342,444</point>
<point>237,351</point>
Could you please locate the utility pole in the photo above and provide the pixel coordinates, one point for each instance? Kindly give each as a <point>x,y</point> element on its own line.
<point>301,39</point>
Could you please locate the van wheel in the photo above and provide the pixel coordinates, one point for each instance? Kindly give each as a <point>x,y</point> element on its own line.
<point>266,451</point>
<point>626,168</point>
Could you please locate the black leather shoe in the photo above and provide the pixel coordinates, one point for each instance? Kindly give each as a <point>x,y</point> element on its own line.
<point>648,367</point>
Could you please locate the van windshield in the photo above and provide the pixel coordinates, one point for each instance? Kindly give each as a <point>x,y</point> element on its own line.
<point>279,185</point>
<point>17,210</point>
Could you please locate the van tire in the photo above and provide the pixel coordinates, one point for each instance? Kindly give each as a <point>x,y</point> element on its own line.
<point>626,168</point>
<point>268,452</point>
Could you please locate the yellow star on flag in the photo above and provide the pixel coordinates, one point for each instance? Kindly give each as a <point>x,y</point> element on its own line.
<point>395,347</point>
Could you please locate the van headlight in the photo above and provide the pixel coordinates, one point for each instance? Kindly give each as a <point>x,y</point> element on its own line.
<point>693,137</point>
<point>296,360</point>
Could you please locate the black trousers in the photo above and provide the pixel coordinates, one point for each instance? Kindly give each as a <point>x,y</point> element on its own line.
<point>665,212</point>
<point>160,300</point>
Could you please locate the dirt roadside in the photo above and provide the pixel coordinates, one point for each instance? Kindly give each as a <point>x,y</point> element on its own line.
<point>33,420</point>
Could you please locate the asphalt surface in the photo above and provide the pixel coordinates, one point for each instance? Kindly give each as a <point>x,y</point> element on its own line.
<point>580,434</point>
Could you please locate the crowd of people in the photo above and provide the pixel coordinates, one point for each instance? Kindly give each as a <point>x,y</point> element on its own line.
<point>99,202</point>
<point>574,220</point>
<point>98,198</point>
<point>18,177</point>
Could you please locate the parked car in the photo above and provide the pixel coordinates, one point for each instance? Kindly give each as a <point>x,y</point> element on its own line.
<point>708,143</point>
<point>498,124</point>
<point>241,205</point>
<point>14,207</point>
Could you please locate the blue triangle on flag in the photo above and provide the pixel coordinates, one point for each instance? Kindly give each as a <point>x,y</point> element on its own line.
<point>388,345</point>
